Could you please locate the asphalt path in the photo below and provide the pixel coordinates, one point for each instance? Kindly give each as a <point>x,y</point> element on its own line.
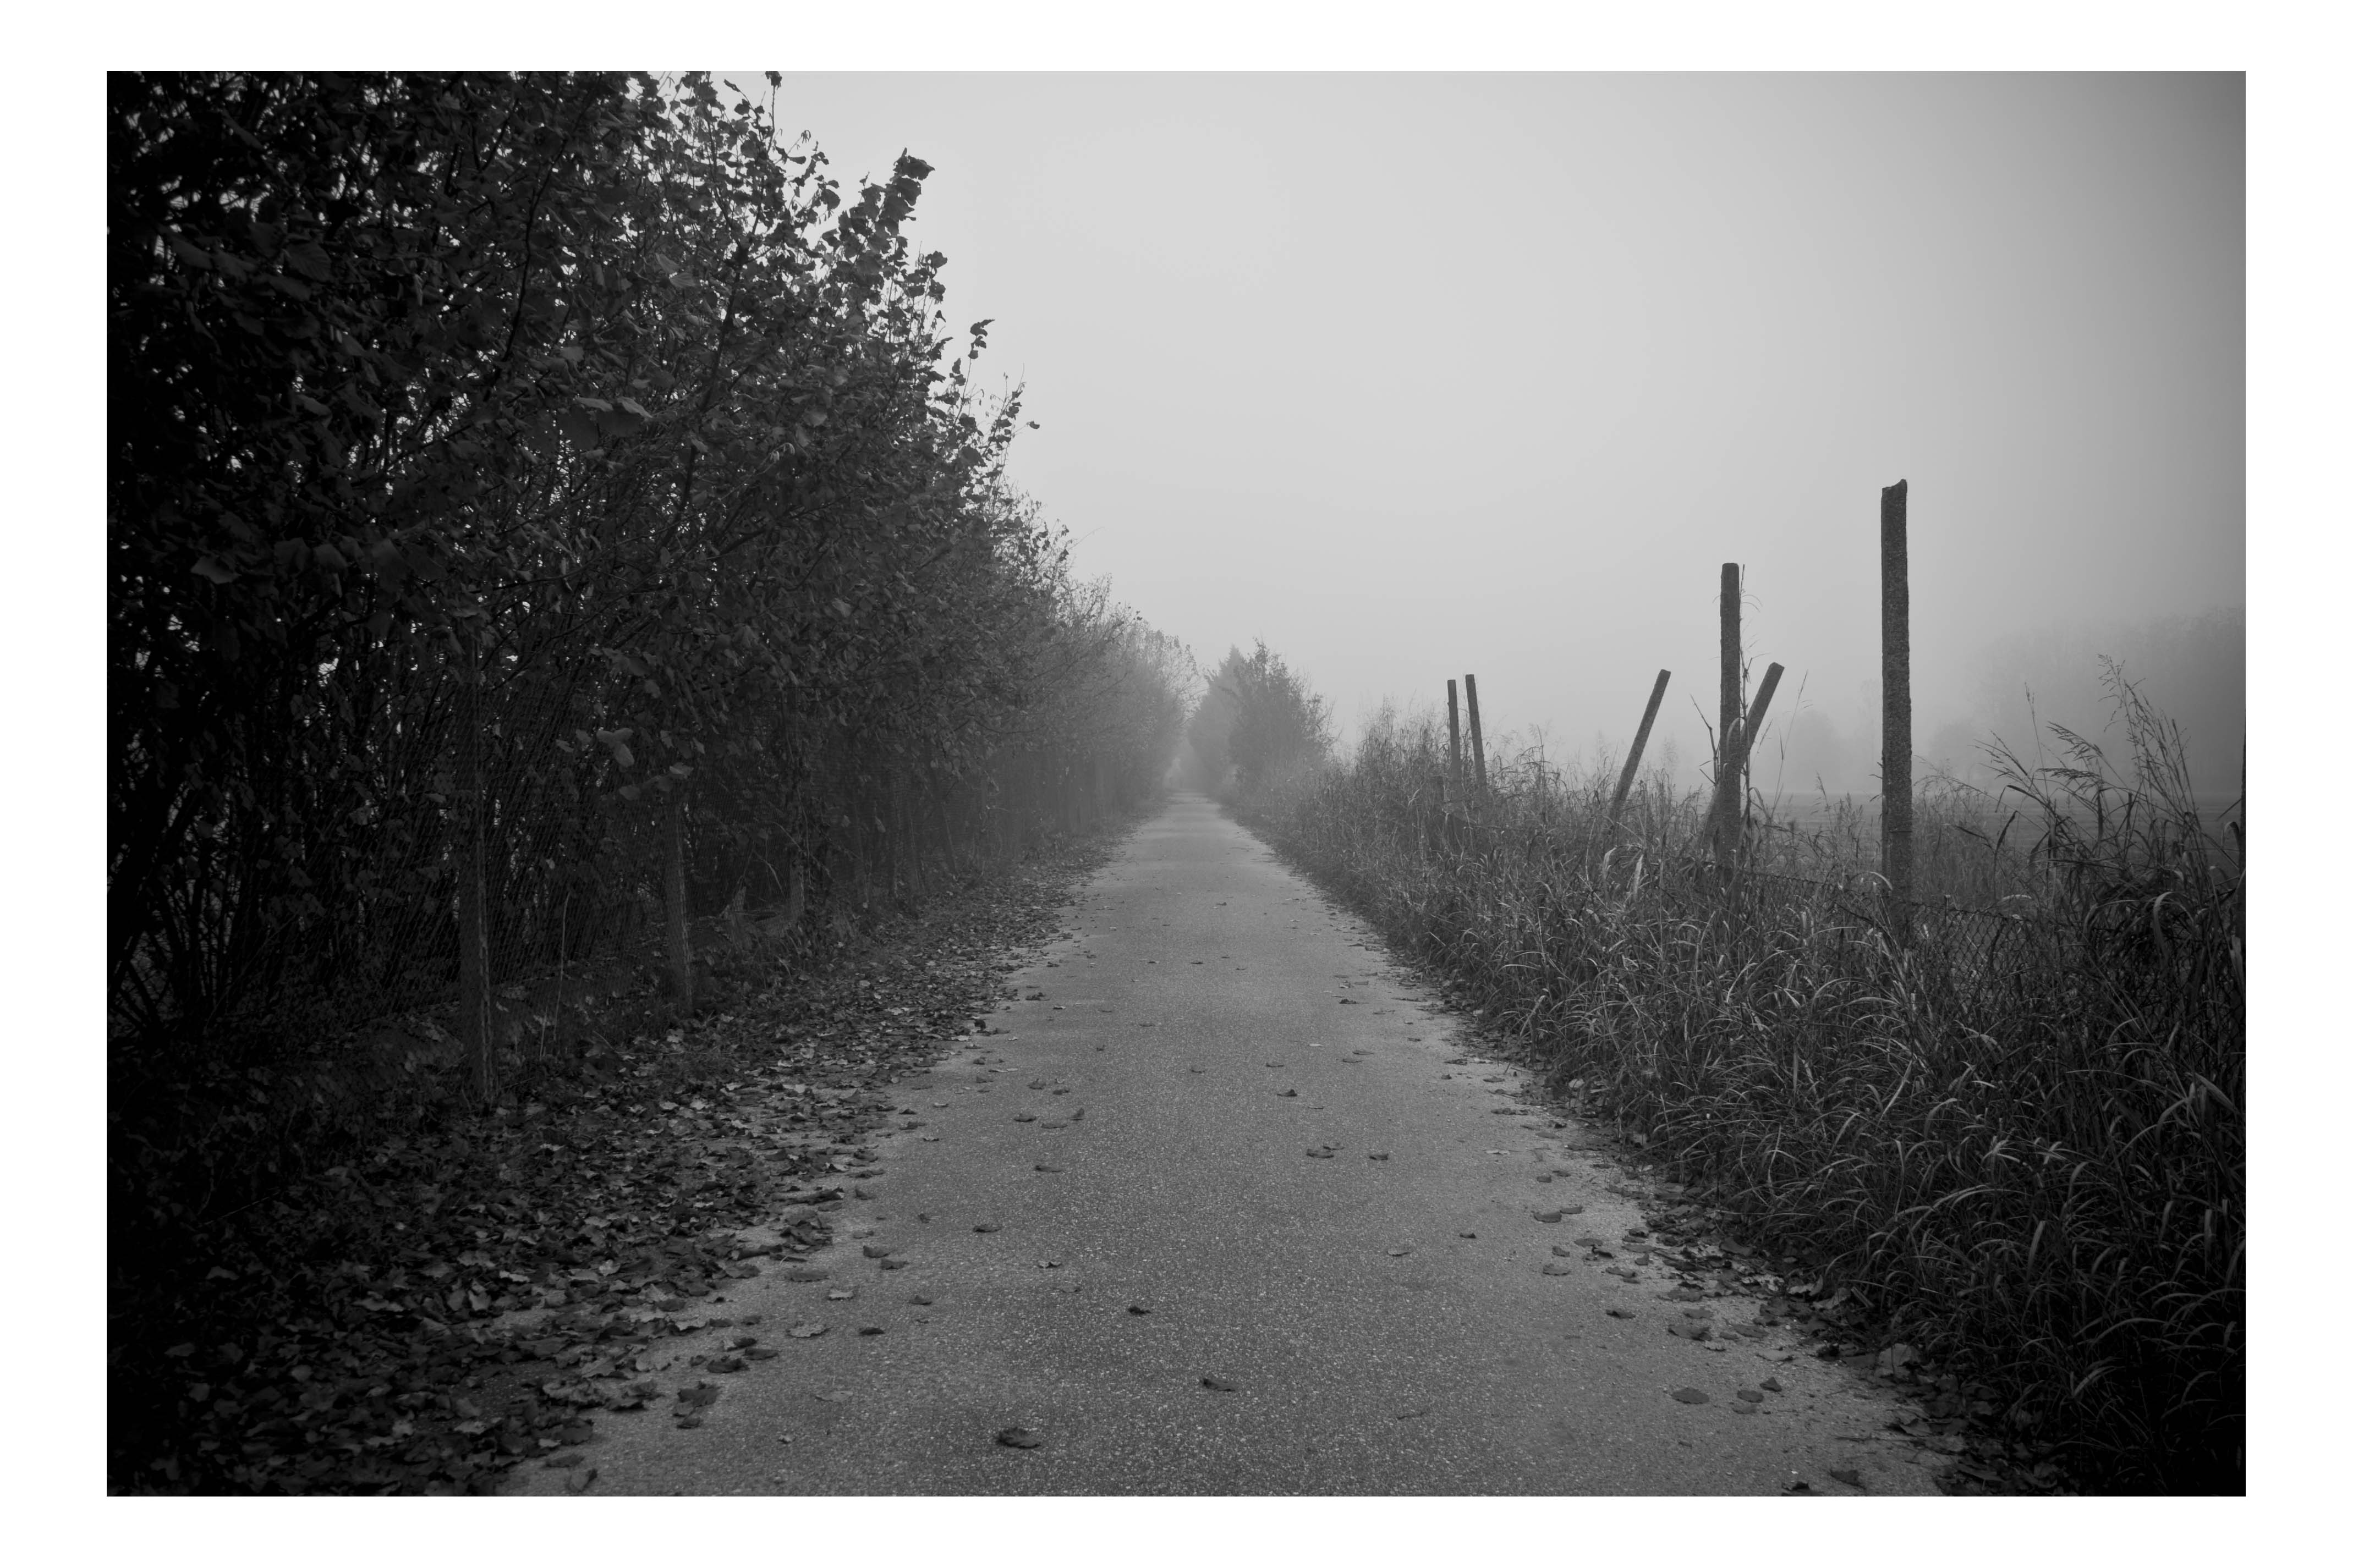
<point>1108,1231</point>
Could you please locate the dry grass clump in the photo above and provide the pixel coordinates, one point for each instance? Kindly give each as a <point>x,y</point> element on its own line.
<point>2022,1139</point>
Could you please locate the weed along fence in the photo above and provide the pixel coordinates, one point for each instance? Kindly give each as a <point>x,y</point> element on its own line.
<point>1989,1080</point>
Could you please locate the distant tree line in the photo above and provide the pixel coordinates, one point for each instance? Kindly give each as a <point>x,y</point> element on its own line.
<point>1256,720</point>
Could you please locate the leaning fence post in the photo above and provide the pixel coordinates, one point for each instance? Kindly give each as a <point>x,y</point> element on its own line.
<point>1454,738</point>
<point>1731,794</point>
<point>1478,739</point>
<point>681,955</point>
<point>1895,692</point>
<point>1634,757</point>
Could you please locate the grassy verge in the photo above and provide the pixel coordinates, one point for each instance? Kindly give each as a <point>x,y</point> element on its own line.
<point>2020,1141</point>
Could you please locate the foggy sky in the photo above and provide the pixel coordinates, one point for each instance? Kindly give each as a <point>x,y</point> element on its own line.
<point>1414,375</point>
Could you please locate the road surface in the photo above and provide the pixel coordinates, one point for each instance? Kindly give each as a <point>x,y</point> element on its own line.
<point>1135,1135</point>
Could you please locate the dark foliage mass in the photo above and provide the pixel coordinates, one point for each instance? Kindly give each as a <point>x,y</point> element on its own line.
<point>547,517</point>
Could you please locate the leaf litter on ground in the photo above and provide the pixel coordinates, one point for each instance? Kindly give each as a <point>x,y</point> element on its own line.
<point>439,1307</point>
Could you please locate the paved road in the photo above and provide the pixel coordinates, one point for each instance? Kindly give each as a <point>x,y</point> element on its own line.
<point>1386,1323</point>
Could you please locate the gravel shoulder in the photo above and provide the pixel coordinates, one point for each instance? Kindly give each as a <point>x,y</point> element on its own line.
<point>1223,1203</point>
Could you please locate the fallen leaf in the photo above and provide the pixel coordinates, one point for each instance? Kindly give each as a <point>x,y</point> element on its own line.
<point>1223,1386</point>
<point>1378,1154</point>
<point>1137,1309</point>
<point>1400,1251</point>
<point>1467,1235</point>
<point>1690,1396</point>
<point>835,1397</point>
<point>841,1295</point>
<point>1287,1094</point>
<point>1050,1170</point>
<point>1025,1116</point>
<point>1019,1437</point>
<point>1322,1154</point>
<point>986,1227</point>
<point>1414,1413</point>
<point>868,1333</point>
<point>919,1301</point>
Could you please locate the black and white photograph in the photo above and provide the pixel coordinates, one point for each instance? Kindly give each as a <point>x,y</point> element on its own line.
<point>1134,766</point>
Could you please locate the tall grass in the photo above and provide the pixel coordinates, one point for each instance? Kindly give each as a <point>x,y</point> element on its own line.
<point>2020,1140</point>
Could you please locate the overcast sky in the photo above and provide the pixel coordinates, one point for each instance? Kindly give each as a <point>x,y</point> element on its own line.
<point>1412,375</point>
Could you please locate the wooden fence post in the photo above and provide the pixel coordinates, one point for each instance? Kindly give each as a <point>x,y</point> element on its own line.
<point>1727,727</point>
<point>1455,739</point>
<point>1731,791</point>
<point>1896,692</point>
<point>682,954</point>
<point>1478,737</point>
<point>1634,757</point>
